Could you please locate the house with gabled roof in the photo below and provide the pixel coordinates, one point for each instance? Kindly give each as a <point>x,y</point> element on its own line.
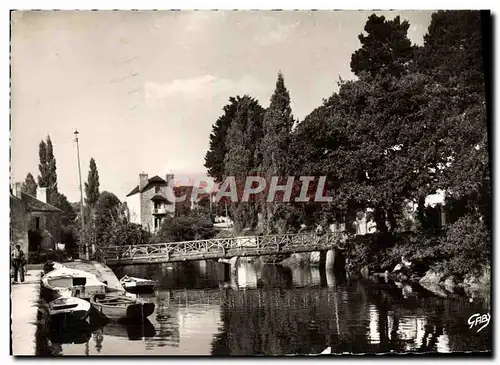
<point>148,203</point>
<point>35,224</point>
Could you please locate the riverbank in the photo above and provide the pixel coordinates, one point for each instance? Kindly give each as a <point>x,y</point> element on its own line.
<point>24,301</point>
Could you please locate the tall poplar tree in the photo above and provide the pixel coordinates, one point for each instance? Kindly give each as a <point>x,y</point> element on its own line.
<point>277,127</point>
<point>243,136</point>
<point>92,184</point>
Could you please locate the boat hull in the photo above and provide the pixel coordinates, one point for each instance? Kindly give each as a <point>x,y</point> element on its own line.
<point>69,309</point>
<point>139,288</point>
<point>138,285</point>
<point>129,310</point>
<point>77,315</point>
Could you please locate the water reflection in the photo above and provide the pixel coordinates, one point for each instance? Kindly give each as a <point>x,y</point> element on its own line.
<point>201,309</point>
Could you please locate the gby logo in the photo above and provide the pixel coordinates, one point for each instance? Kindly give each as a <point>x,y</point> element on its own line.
<point>478,319</point>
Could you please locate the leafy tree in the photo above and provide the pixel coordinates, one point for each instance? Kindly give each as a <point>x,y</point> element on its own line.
<point>385,49</point>
<point>124,233</point>
<point>277,126</point>
<point>43,178</point>
<point>466,246</point>
<point>108,210</point>
<point>186,228</point>
<point>48,179</point>
<point>68,213</point>
<point>51,167</point>
<point>48,169</point>
<point>214,158</point>
<point>183,207</point>
<point>92,185</point>
<point>29,186</point>
<point>242,156</point>
<point>452,55</point>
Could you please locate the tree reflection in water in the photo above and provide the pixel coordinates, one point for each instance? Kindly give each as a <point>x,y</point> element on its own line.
<point>349,316</point>
<point>270,310</point>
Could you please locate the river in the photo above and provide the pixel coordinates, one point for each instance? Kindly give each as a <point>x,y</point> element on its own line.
<point>268,310</point>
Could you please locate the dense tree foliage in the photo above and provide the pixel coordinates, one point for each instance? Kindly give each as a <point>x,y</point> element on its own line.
<point>242,158</point>
<point>411,124</point>
<point>277,126</point>
<point>92,184</point>
<point>48,169</point>
<point>214,158</point>
<point>29,186</point>
<point>193,226</point>
<point>107,211</point>
<point>385,49</point>
<point>48,179</point>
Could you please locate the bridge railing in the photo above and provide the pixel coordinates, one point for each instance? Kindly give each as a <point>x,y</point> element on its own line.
<point>218,245</point>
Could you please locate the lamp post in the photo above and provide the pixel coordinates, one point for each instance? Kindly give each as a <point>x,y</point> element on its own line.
<point>82,235</point>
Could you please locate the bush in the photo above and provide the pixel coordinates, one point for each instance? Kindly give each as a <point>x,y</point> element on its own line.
<point>372,250</point>
<point>463,249</point>
<point>123,233</point>
<point>186,228</point>
<point>466,247</point>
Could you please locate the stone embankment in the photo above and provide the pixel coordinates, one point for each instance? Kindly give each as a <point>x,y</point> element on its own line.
<point>444,285</point>
<point>24,300</point>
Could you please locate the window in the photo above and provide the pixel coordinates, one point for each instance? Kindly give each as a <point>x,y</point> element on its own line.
<point>37,222</point>
<point>157,189</point>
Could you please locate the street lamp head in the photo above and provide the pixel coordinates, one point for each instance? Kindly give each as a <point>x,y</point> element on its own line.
<point>75,133</point>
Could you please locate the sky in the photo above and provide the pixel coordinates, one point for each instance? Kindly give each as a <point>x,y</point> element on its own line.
<point>144,88</point>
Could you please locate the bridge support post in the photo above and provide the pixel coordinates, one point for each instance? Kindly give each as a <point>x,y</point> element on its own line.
<point>202,267</point>
<point>330,278</point>
<point>233,262</point>
<point>330,260</point>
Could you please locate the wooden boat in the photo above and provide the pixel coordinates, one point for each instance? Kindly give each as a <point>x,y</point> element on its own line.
<point>116,307</point>
<point>133,284</point>
<point>72,283</point>
<point>70,308</point>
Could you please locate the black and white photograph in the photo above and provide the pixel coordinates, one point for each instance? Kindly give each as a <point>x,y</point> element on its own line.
<point>250,183</point>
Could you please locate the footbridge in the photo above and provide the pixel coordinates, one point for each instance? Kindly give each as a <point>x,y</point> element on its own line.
<point>220,248</point>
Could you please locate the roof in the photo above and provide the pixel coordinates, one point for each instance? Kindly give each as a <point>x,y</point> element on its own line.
<point>159,197</point>
<point>36,205</point>
<point>154,180</point>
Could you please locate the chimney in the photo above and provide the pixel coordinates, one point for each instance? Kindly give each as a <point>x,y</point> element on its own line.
<point>41,194</point>
<point>17,190</point>
<point>143,180</point>
<point>169,178</point>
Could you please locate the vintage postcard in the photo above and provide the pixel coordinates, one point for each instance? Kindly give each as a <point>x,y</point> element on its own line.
<point>250,183</point>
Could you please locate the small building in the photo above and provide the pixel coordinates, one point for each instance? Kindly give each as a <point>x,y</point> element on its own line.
<point>148,203</point>
<point>35,225</point>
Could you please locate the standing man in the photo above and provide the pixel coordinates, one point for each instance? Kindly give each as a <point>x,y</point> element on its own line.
<point>18,264</point>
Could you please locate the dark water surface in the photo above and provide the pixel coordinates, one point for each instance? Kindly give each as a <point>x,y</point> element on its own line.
<point>269,310</point>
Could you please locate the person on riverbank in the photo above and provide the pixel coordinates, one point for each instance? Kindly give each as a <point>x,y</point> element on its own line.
<point>18,264</point>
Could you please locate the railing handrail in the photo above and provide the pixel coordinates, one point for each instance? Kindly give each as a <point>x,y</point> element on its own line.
<point>163,244</point>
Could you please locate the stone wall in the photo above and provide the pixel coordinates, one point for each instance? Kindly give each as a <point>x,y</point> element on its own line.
<point>49,228</point>
<point>147,205</point>
<point>18,224</point>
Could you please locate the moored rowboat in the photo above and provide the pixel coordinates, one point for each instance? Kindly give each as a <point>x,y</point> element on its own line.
<point>70,308</point>
<point>72,283</point>
<point>137,284</point>
<point>117,307</point>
